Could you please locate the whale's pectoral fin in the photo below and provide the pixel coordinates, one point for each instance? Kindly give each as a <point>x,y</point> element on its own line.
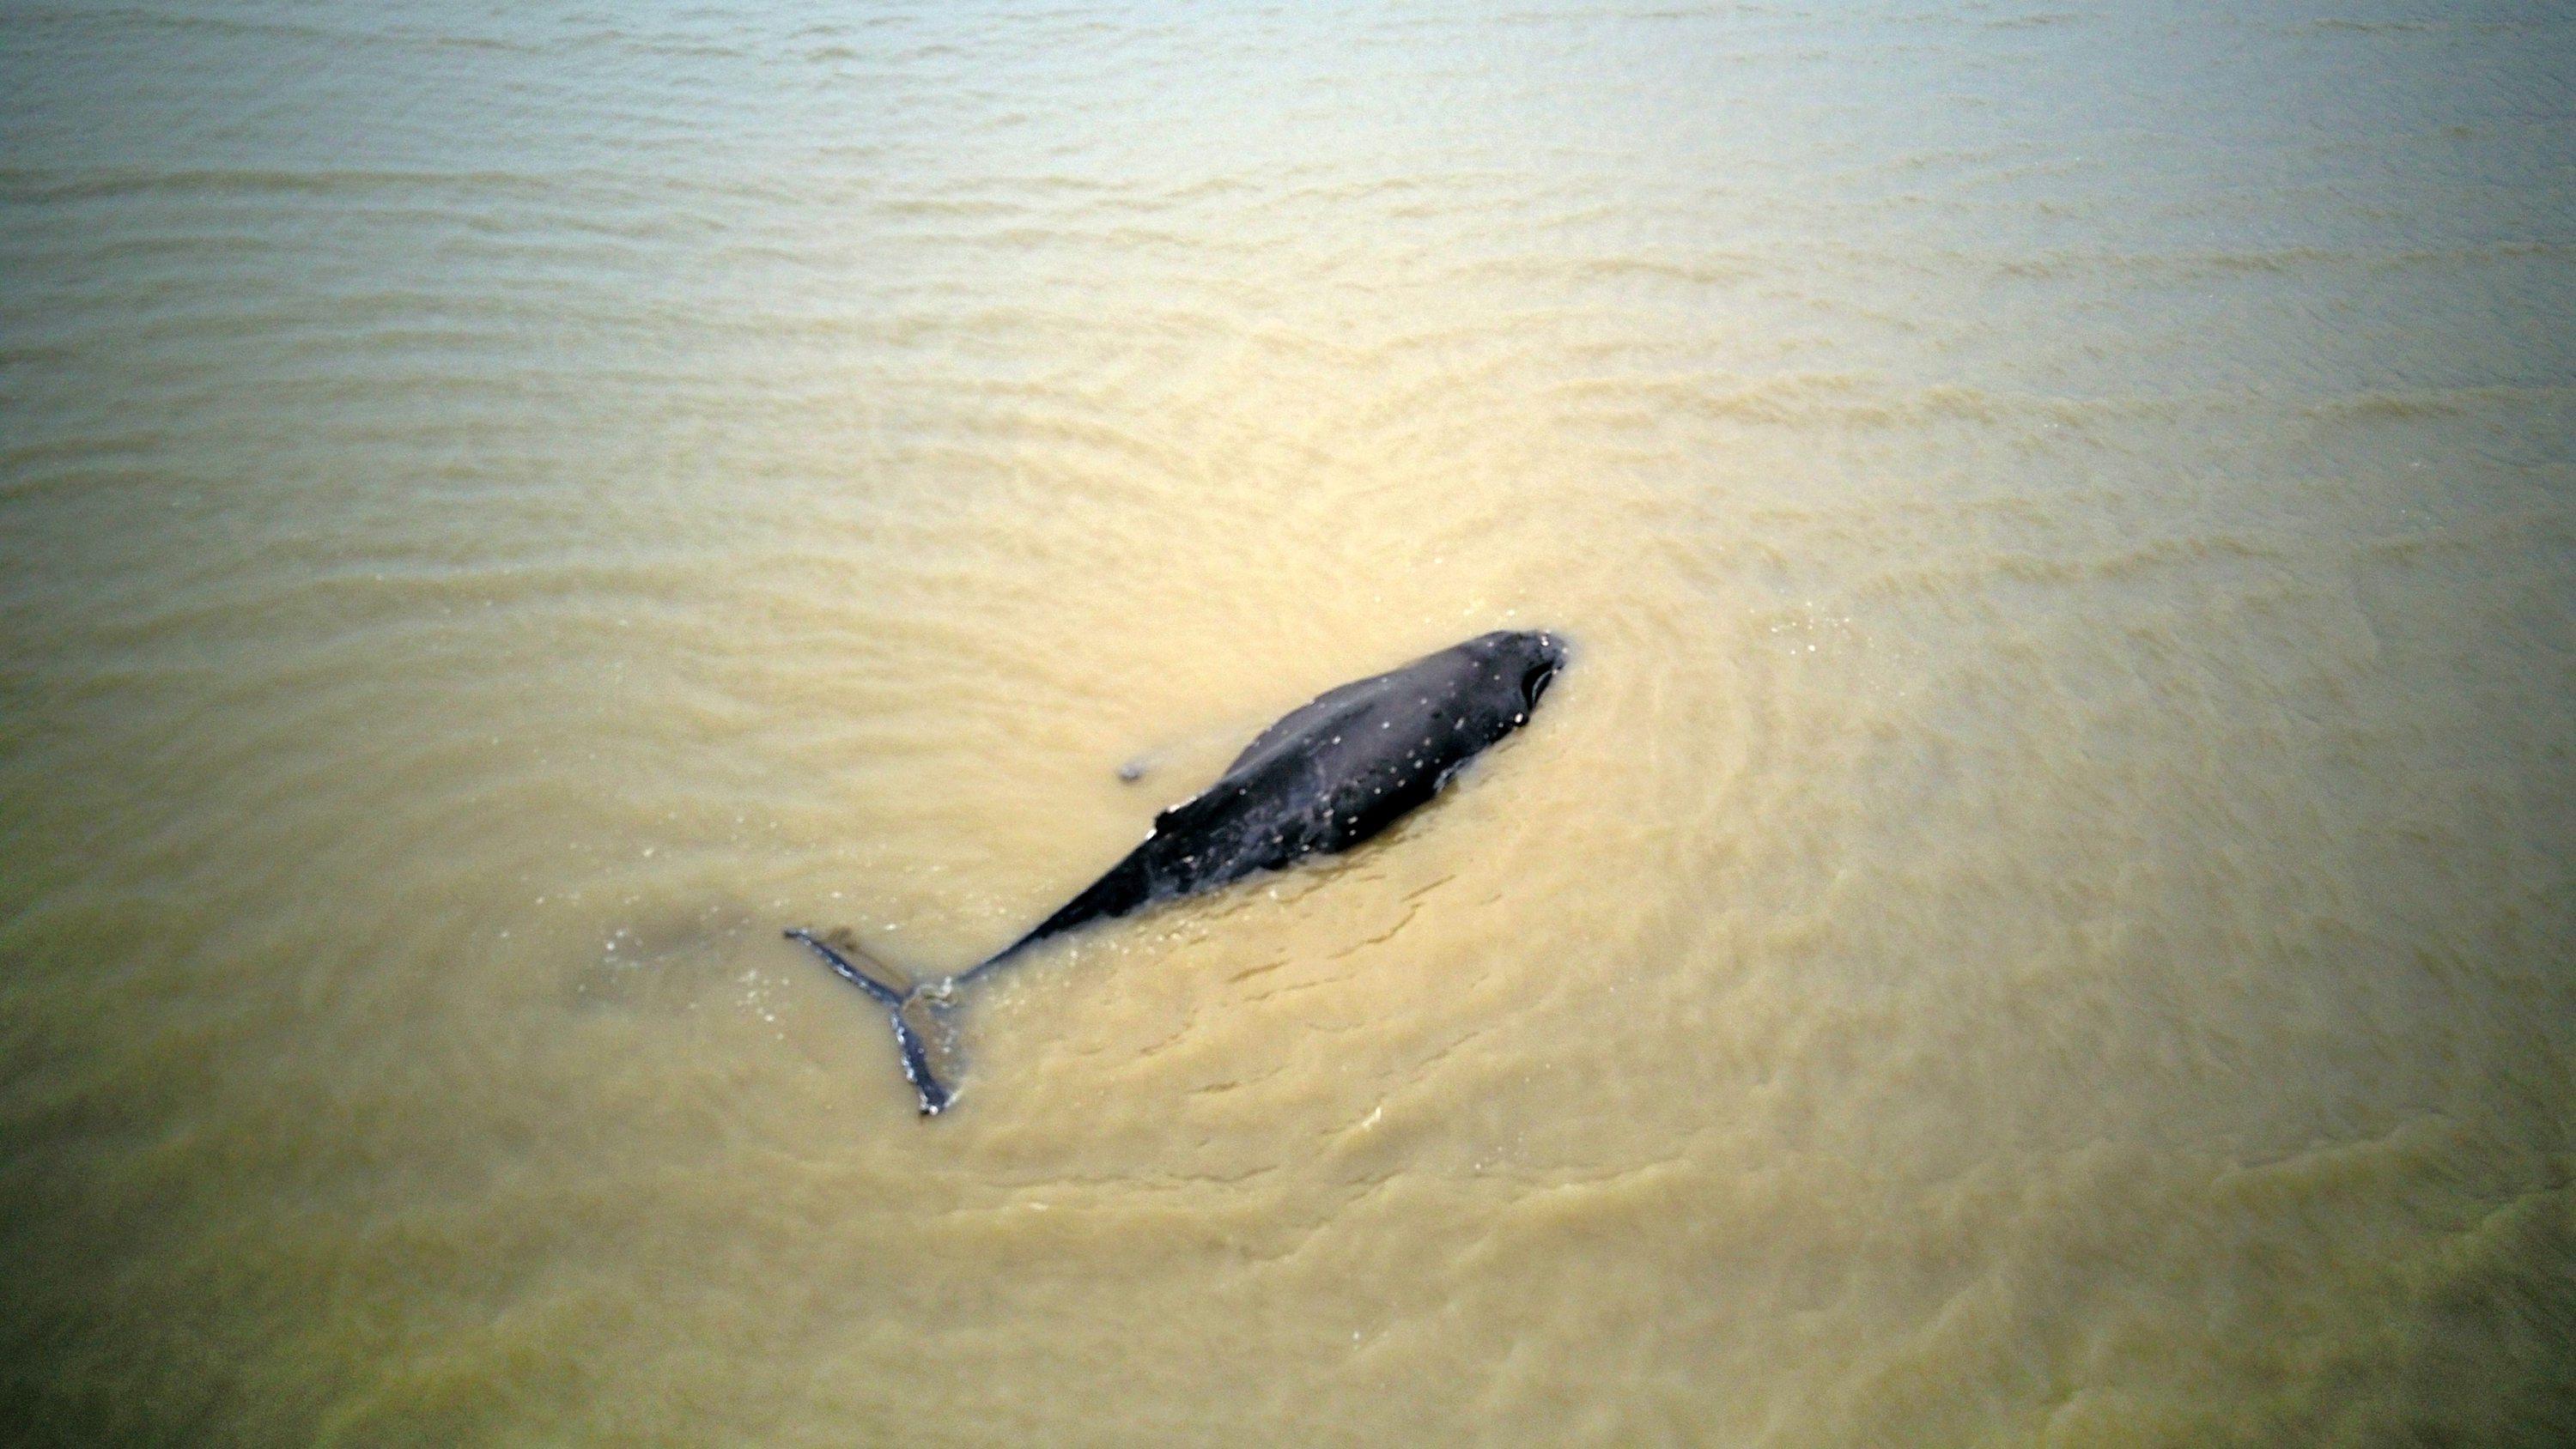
<point>922,1033</point>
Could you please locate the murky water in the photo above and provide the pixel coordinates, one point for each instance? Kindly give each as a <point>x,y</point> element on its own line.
<point>2043,912</point>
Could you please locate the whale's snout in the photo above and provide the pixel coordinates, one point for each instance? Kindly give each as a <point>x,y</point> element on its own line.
<point>1535,680</point>
<point>1545,656</point>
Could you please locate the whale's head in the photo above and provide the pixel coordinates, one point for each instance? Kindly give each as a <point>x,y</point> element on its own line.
<point>1528,657</point>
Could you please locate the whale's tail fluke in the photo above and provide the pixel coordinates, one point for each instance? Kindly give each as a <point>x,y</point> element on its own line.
<point>919,1014</point>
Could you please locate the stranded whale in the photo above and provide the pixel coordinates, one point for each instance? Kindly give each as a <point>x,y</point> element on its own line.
<point>1327,776</point>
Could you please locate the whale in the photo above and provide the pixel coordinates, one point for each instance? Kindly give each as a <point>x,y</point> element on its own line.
<point>1327,777</point>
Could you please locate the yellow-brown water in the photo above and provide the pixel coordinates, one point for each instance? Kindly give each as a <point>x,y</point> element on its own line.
<point>2042,913</point>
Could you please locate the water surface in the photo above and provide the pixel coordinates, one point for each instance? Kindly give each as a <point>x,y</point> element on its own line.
<point>2042,915</point>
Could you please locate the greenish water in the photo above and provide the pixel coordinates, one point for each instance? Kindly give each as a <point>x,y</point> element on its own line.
<point>2043,914</point>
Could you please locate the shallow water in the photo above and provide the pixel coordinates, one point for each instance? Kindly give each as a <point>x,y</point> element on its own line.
<point>2043,912</point>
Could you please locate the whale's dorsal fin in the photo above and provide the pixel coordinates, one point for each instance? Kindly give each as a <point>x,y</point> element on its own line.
<point>1331,707</point>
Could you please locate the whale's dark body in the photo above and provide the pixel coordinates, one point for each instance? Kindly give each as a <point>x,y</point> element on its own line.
<point>1327,776</point>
